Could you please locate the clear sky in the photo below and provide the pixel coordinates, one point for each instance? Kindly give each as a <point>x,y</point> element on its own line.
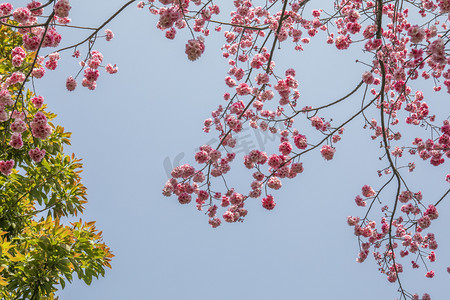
<point>152,111</point>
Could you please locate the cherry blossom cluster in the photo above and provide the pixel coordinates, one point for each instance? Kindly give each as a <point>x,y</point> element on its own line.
<point>24,116</point>
<point>404,235</point>
<point>397,53</point>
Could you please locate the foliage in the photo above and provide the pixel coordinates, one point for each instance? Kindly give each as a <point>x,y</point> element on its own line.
<point>38,251</point>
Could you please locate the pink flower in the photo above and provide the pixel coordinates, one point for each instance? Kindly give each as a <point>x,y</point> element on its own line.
<point>268,202</point>
<point>16,77</point>
<point>39,127</point>
<point>170,34</point>
<point>416,33</point>
<point>21,14</point>
<point>35,4</point>
<point>359,201</point>
<point>444,5</point>
<point>317,122</point>
<point>368,191</point>
<point>18,51</point>
<point>51,64</point>
<point>5,9</point>
<point>16,141</point>
<point>432,256</point>
<point>62,8</point>
<point>285,148</point>
<point>327,152</point>
<point>195,48</point>
<point>31,43</point>
<point>111,69</point>
<point>201,157</point>
<point>424,222</point>
<point>5,98</point>
<point>38,101</point>
<point>343,42</point>
<point>18,126</point>
<point>367,77</point>
<point>275,161</point>
<point>274,183</point>
<point>36,154</point>
<point>109,35</point>
<point>91,75</point>
<point>431,212</point>
<point>71,84</point>
<point>229,216</point>
<point>6,167</point>
<point>17,61</point>
<point>184,198</point>
<point>300,141</point>
<point>38,72</point>
<point>214,222</point>
<point>430,274</point>
<point>243,89</point>
<point>296,168</point>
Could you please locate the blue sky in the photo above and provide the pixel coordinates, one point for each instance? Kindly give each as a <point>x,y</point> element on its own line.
<point>153,110</point>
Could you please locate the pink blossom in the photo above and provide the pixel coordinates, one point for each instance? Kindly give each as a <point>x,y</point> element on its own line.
<point>36,154</point>
<point>16,77</point>
<point>34,5</point>
<point>268,202</point>
<point>17,61</point>
<point>275,161</point>
<point>214,222</point>
<point>327,152</point>
<point>109,35</point>
<point>416,33</point>
<point>38,72</point>
<point>243,89</point>
<point>195,48</point>
<point>16,141</point>
<point>274,183</point>
<point>62,8</point>
<point>297,168</point>
<point>18,51</point>
<point>424,222</point>
<point>6,167</point>
<point>444,5</point>
<point>111,69</point>
<point>229,216</point>
<point>5,9</point>
<point>184,198</point>
<point>38,101</point>
<point>300,141</point>
<point>170,34</point>
<point>21,14</point>
<point>359,201</point>
<point>71,83</point>
<point>5,98</point>
<point>367,77</point>
<point>18,126</point>
<point>343,42</point>
<point>31,42</point>
<point>91,75</point>
<point>431,212</point>
<point>317,122</point>
<point>285,148</point>
<point>368,191</point>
